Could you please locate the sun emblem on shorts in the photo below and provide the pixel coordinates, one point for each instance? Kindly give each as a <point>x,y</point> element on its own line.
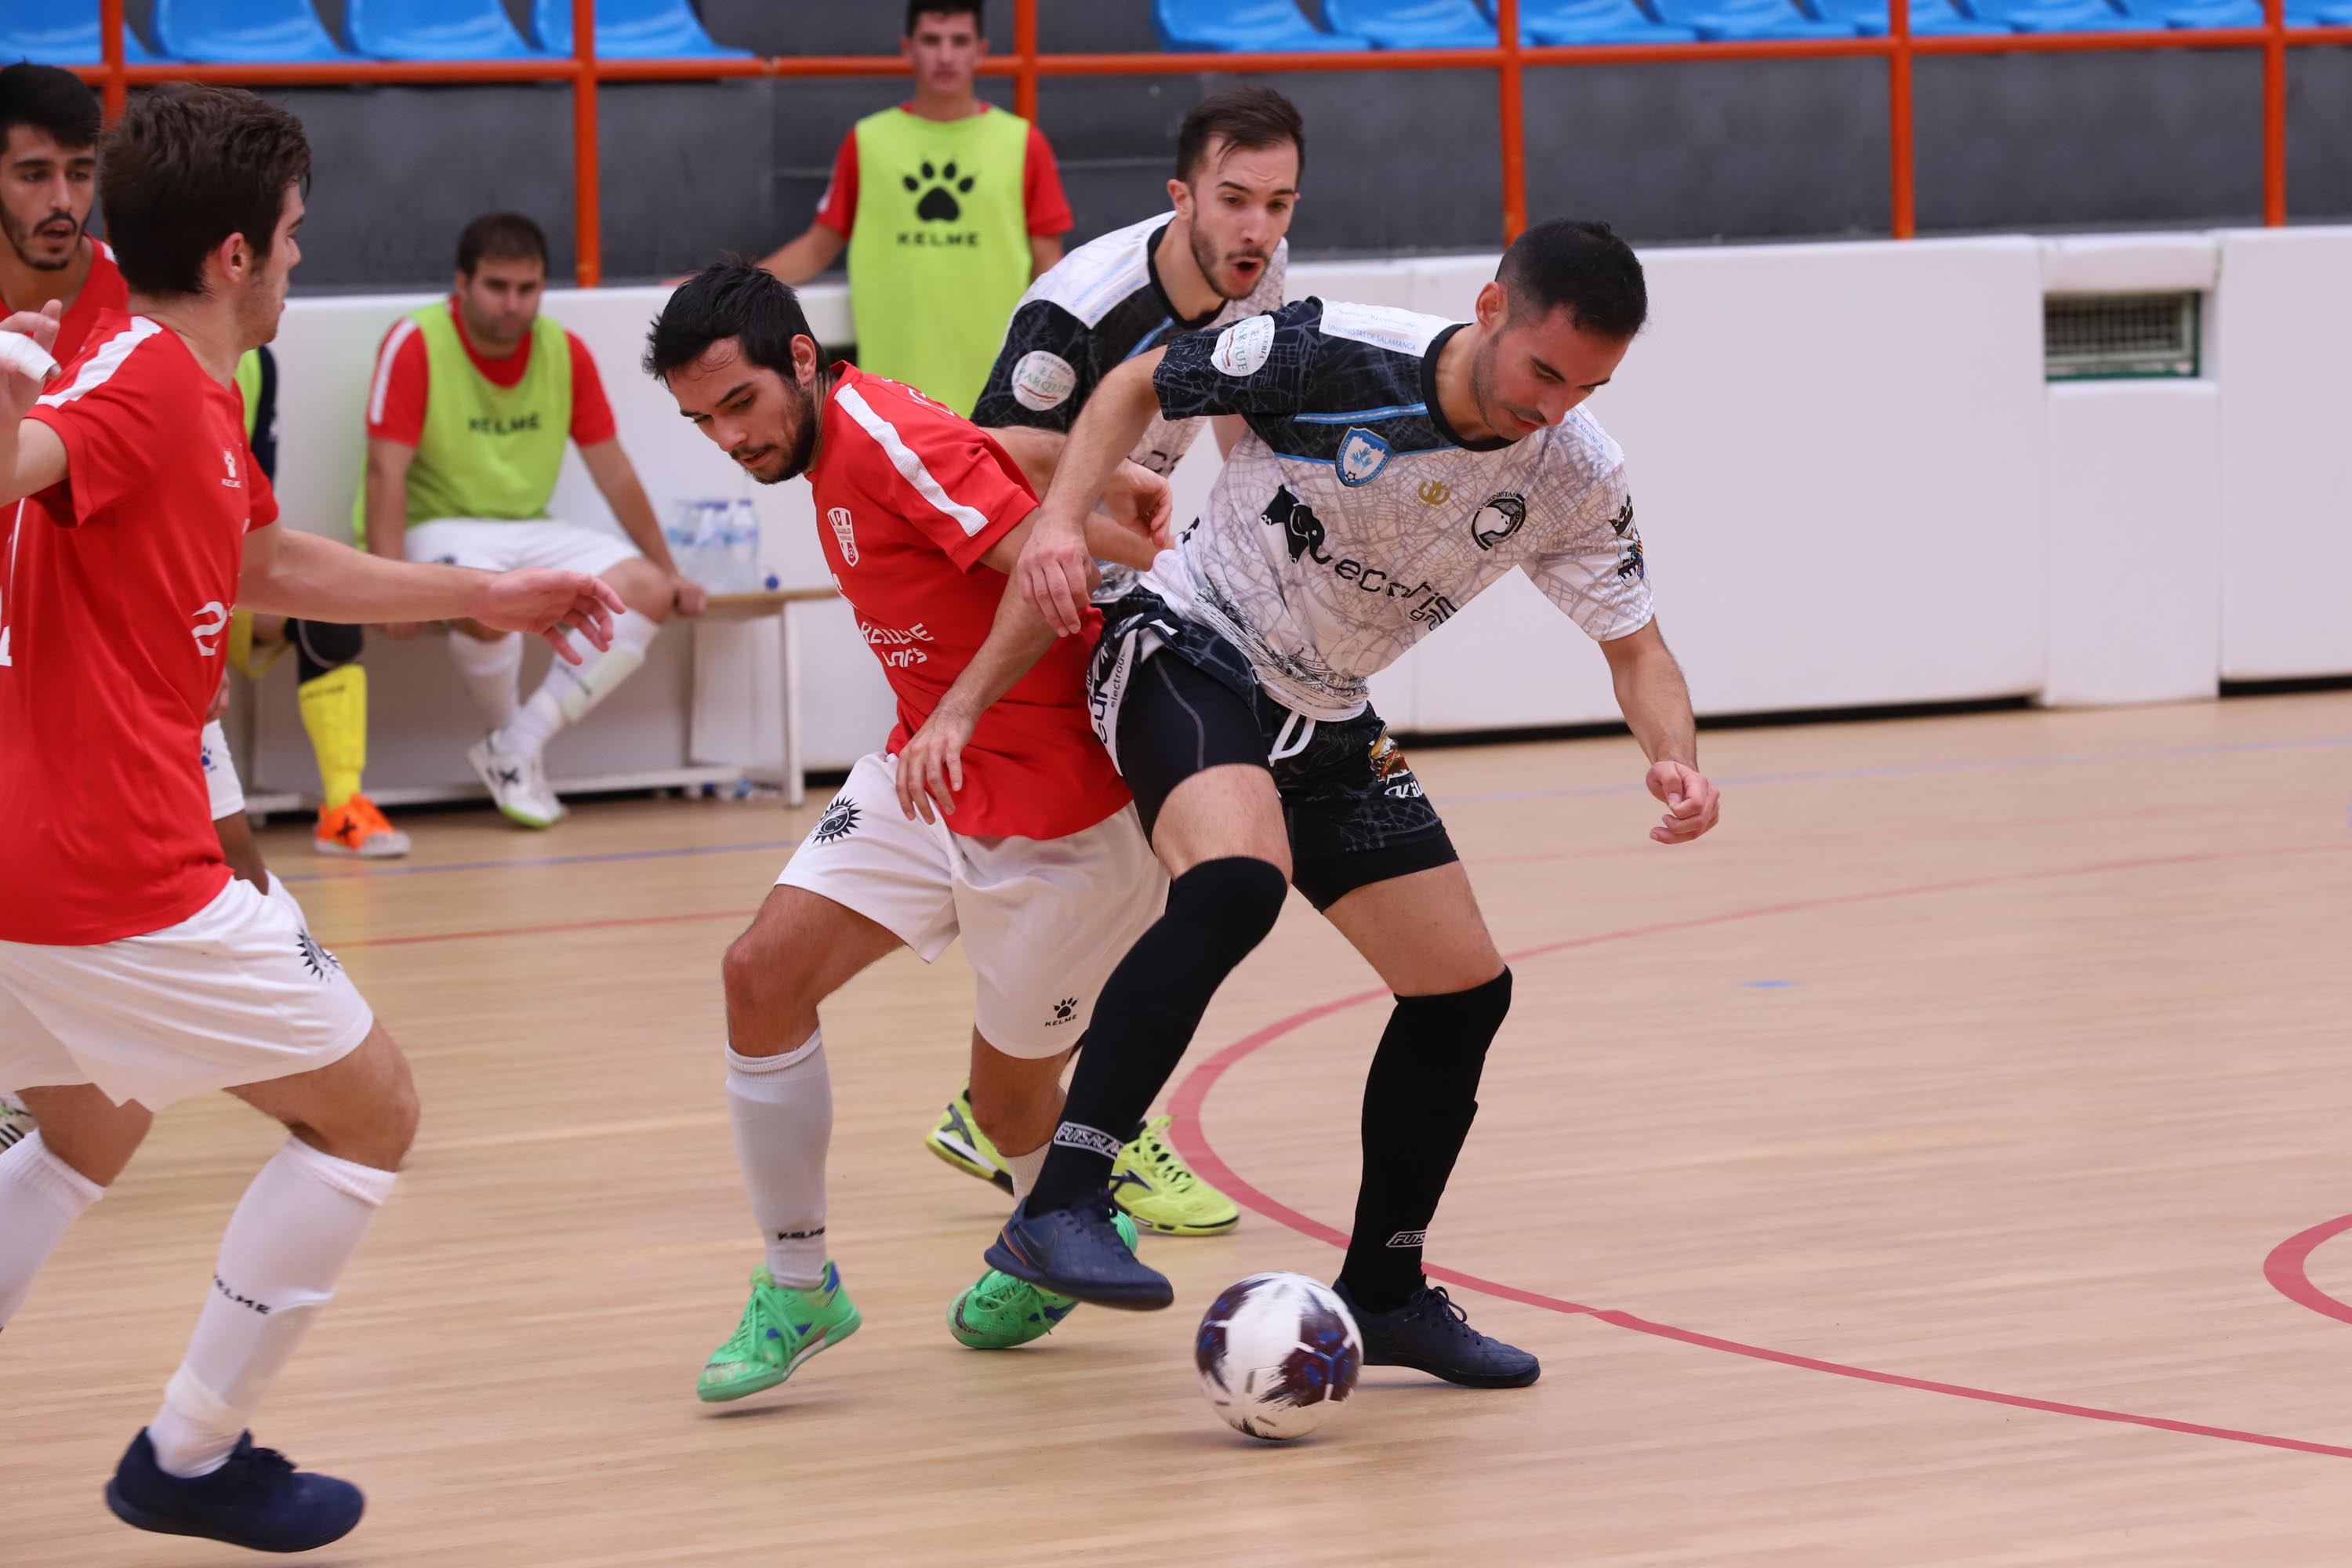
<point>317,960</point>
<point>840,820</point>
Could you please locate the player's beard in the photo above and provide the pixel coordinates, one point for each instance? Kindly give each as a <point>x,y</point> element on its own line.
<point>795,458</point>
<point>20,239</point>
<point>1205,258</point>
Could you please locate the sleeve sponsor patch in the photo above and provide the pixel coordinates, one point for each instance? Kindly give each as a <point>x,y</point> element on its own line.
<point>1043,380</point>
<point>1382,326</point>
<point>1243,348</point>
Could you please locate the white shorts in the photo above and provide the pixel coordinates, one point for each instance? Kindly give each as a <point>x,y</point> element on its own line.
<point>220,773</point>
<point>489,544</point>
<point>237,993</point>
<point>1043,921</point>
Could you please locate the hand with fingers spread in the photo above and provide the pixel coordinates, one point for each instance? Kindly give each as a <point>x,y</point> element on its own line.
<point>551,605</point>
<point>930,768</point>
<point>1056,571</point>
<point>1693,805</point>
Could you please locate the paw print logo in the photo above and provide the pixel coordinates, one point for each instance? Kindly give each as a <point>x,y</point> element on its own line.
<point>939,203</point>
<point>840,820</point>
<point>1063,1011</point>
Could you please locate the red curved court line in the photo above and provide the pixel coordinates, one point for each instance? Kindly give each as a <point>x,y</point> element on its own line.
<point>2288,1269</point>
<point>1192,1093</point>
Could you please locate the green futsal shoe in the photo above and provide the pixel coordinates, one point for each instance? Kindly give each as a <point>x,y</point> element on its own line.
<point>1152,1184</point>
<point>959,1140</point>
<point>781,1328</point>
<point>1001,1311</point>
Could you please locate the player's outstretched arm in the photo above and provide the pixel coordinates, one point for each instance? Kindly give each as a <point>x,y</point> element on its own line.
<point>288,572</point>
<point>1055,564</point>
<point>616,481</point>
<point>1656,703</point>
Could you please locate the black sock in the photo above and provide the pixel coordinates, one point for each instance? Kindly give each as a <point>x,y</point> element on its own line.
<point>1147,1014</point>
<point>1419,1101</point>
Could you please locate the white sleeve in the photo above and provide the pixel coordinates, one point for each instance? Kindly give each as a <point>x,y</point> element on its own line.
<point>1591,563</point>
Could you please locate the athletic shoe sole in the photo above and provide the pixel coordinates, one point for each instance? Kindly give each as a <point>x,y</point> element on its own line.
<point>1156,1228</point>
<point>157,1524</point>
<point>1462,1379</point>
<point>954,1151</point>
<point>765,1381</point>
<point>336,847</point>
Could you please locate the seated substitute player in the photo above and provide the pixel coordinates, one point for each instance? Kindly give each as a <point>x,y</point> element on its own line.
<point>1220,256</point>
<point>1038,862</point>
<point>472,400</point>
<point>134,970</point>
<point>1396,464</point>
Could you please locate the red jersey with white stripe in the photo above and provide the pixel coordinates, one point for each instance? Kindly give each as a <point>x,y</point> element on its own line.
<point>402,383</point>
<point>114,603</point>
<point>102,290</point>
<point>909,496</point>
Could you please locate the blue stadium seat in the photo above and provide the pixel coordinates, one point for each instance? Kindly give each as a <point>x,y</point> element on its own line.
<point>433,30</point>
<point>2242,13</point>
<point>59,33</point>
<point>242,31</point>
<point>1716,19</point>
<point>2063,16</point>
<point>632,30</point>
<point>1593,22</point>
<point>1244,25</point>
<point>1412,24</point>
<point>1929,18</point>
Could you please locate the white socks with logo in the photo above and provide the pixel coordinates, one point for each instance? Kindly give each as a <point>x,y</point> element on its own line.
<point>299,1224</point>
<point>781,1107</point>
<point>40,1198</point>
<point>570,690</point>
<point>492,671</point>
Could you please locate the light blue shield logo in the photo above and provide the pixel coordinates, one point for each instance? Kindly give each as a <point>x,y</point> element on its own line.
<point>1362,455</point>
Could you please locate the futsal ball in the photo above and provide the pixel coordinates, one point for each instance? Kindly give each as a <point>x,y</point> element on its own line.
<point>1277,1352</point>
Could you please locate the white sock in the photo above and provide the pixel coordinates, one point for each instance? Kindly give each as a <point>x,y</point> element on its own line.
<point>570,690</point>
<point>781,1107</point>
<point>282,894</point>
<point>492,671</point>
<point>40,1198</point>
<point>297,1227</point>
<point>1024,1168</point>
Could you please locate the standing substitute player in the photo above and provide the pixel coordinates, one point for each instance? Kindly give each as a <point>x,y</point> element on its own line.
<point>1396,464</point>
<point>1038,863</point>
<point>134,970</point>
<point>1220,256</point>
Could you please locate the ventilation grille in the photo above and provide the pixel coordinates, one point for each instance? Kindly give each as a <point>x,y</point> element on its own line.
<point>2090,336</point>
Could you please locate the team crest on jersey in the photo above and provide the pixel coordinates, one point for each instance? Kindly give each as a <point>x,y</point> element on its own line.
<point>843,534</point>
<point>1362,455</point>
<point>1500,518</point>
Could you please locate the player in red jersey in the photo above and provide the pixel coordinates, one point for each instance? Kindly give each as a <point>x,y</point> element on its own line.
<point>134,970</point>
<point>1014,832</point>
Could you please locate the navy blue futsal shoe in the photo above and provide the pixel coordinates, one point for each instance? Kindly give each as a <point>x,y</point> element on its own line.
<point>258,1500</point>
<point>1078,1253</point>
<point>1430,1333</point>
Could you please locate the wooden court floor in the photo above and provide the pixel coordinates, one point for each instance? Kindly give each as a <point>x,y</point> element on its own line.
<point>1936,1166</point>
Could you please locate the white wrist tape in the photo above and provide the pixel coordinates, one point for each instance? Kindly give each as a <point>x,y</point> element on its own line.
<point>23,356</point>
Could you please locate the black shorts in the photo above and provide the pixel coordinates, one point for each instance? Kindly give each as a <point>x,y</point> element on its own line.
<point>1353,810</point>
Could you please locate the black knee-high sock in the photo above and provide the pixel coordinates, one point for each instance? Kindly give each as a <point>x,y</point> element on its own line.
<point>1419,1101</point>
<point>1147,1014</point>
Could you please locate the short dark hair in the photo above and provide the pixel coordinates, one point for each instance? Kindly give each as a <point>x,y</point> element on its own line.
<point>55,102</point>
<point>728,299</point>
<point>500,237</point>
<point>187,167</point>
<point>918,9</point>
<point>1250,117</point>
<point>1583,266</point>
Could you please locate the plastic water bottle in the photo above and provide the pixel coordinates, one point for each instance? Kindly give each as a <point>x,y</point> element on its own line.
<point>742,536</point>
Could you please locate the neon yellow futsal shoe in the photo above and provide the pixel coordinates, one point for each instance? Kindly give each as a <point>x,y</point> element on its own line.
<point>1152,1183</point>
<point>781,1328</point>
<point>959,1140</point>
<point>1000,1311</point>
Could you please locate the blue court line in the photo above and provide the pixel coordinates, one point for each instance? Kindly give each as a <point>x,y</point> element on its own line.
<point>1920,770</point>
<point>2062,759</point>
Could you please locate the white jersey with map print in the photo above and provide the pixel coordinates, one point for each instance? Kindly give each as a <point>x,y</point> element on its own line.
<point>1351,522</point>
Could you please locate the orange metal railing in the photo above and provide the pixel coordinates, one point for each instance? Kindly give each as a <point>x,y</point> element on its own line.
<point>1027,66</point>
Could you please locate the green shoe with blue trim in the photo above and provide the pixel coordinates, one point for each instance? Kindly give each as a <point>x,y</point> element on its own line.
<point>781,1328</point>
<point>1000,1311</point>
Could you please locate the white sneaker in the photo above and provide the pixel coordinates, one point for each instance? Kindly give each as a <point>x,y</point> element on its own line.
<point>517,783</point>
<point>16,1124</point>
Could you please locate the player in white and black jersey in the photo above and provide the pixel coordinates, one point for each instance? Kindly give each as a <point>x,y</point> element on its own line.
<point>1219,256</point>
<point>1396,464</point>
